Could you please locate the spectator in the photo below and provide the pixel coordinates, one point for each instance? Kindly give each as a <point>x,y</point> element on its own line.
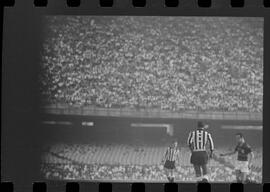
<point>74,167</point>
<point>167,63</point>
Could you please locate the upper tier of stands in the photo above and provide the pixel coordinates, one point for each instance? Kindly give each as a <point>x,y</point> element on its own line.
<point>166,63</point>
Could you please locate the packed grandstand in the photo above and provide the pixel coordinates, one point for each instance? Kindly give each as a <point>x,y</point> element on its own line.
<point>133,163</point>
<point>168,63</point>
<point>162,63</point>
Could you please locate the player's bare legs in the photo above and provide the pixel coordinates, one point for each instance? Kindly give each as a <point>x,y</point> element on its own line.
<point>238,176</point>
<point>243,177</point>
<point>168,173</point>
<point>198,172</point>
<point>172,175</point>
<point>204,172</point>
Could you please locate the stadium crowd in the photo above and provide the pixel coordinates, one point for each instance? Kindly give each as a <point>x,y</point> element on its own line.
<point>169,63</point>
<point>134,172</point>
<point>90,162</point>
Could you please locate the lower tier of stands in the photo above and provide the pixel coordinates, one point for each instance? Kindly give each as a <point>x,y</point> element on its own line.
<point>127,162</point>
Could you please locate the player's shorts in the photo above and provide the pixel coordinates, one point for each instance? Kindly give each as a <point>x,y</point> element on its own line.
<point>199,158</point>
<point>169,164</point>
<point>242,166</point>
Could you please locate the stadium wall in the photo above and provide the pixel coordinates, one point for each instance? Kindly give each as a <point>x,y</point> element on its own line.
<point>119,130</point>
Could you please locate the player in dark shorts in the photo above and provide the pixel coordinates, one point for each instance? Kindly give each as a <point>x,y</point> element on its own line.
<point>197,141</point>
<point>171,157</point>
<point>244,158</point>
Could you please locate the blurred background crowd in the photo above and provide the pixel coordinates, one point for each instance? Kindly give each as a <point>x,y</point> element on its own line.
<point>161,63</point>
<point>168,63</point>
<point>138,163</point>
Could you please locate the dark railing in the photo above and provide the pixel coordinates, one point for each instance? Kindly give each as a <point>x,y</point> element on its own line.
<point>149,113</point>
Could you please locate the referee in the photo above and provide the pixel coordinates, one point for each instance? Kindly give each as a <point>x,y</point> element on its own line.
<point>170,158</point>
<point>197,141</point>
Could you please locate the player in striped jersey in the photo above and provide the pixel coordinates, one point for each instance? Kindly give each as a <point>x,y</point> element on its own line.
<point>197,141</point>
<point>170,158</point>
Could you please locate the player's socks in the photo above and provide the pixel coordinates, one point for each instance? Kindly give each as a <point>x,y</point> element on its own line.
<point>172,179</point>
<point>205,178</point>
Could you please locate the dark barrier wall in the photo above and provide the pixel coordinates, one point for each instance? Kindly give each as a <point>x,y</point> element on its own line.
<point>119,130</point>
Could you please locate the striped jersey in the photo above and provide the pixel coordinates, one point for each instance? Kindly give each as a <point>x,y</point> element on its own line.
<point>172,154</point>
<point>198,139</point>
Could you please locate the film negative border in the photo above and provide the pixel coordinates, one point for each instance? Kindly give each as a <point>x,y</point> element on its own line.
<point>146,3</point>
<point>137,187</point>
<point>181,4</point>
